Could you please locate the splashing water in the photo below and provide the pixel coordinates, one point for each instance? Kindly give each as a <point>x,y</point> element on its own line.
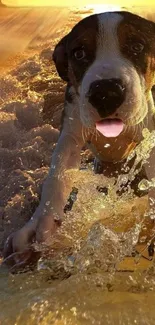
<point>141,153</point>
<point>101,229</point>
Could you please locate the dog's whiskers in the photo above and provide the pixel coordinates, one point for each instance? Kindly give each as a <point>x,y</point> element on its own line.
<point>97,133</point>
<point>85,133</point>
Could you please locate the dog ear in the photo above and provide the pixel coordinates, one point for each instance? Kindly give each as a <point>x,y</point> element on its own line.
<point>60,59</point>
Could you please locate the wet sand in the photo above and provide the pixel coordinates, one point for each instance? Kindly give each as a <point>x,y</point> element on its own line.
<point>31,103</point>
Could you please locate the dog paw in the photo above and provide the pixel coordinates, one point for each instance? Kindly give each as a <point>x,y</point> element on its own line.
<point>17,249</point>
<point>46,227</point>
<point>19,252</point>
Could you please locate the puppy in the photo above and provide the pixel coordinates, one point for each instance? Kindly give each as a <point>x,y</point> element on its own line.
<point>108,62</point>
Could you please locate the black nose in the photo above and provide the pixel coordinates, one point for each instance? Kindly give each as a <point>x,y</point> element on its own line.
<point>106,95</point>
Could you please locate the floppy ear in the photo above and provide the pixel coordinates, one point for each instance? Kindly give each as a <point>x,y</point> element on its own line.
<point>60,59</point>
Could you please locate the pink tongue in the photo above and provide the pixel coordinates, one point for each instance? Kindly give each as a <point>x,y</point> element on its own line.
<point>110,127</point>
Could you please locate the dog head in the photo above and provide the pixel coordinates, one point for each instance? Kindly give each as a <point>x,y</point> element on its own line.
<point>109,59</point>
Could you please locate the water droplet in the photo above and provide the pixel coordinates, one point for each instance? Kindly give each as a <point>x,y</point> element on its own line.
<point>47,203</point>
<point>74,311</point>
<point>143,239</point>
<point>144,185</point>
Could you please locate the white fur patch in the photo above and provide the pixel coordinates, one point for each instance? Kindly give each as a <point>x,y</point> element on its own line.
<point>107,40</point>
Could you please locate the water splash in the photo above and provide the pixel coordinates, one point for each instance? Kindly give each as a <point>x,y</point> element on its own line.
<point>140,155</point>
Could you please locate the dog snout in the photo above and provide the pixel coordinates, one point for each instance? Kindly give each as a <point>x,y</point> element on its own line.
<point>106,95</point>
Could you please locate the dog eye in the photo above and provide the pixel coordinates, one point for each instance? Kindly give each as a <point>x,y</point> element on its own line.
<point>79,54</point>
<point>137,47</point>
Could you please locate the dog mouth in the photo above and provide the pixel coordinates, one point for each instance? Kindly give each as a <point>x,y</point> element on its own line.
<point>110,128</point>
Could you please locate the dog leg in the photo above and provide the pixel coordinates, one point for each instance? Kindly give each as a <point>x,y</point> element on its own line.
<point>48,215</point>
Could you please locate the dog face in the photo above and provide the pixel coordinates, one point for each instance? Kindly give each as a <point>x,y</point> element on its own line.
<point>109,59</point>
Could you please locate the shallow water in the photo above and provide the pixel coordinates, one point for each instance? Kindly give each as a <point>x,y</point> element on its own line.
<point>92,275</point>
<point>81,299</point>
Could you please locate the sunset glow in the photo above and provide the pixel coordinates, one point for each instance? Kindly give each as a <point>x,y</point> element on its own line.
<point>97,8</point>
<point>79,3</point>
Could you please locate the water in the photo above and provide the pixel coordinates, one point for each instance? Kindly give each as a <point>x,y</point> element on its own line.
<point>97,298</point>
<point>92,275</point>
